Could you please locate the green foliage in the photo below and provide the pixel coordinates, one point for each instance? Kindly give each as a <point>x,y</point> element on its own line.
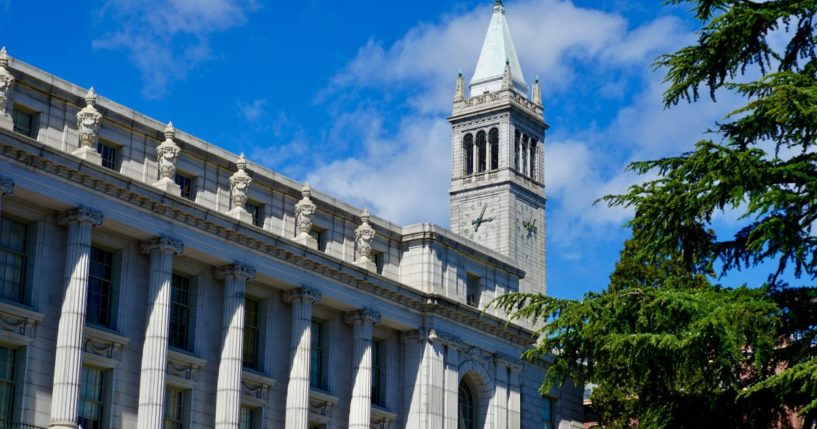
<point>664,345</point>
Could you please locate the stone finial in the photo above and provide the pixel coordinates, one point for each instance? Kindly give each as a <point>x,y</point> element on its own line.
<point>536,93</point>
<point>364,237</point>
<point>239,188</point>
<point>167,154</point>
<point>498,6</point>
<point>506,76</point>
<point>170,131</point>
<point>88,120</point>
<point>459,91</point>
<point>6,84</point>
<point>304,211</point>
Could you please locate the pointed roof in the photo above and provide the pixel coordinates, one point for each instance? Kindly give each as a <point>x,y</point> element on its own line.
<point>497,50</point>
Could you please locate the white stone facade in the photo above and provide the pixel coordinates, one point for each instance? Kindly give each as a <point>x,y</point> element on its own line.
<point>351,322</point>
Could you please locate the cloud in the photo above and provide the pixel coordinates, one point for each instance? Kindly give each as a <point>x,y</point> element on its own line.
<point>252,111</point>
<point>165,39</point>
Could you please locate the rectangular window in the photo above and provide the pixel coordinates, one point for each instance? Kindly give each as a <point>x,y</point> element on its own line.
<point>91,398</point>
<point>255,211</point>
<point>100,289</point>
<point>109,154</point>
<point>23,122</point>
<point>175,405</point>
<point>180,311</point>
<point>316,356</point>
<point>7,385</point>
<point>186,184</point>
<point>248,418</point>
<point>547,414</point>
<point>13,264</point>
<point>379,261</point>
<point>472,290</point>
<point>378,361</point>
<point>320,236</point>
<point>251,334</point>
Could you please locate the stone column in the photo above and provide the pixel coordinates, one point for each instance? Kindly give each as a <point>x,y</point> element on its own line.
<point>360,408</point>
<point>413,375</point>
<point>452,383</point>
<point>514,395</point>
<point>6,188</point>
<point>500,400</point>
<point>157,332</point>
<point>297,404</point>
<point>228,396</point>
<point>506,395</point>
<point>68,359</point>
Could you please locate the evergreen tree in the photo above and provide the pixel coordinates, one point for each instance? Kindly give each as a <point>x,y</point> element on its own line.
<point>665,346</point>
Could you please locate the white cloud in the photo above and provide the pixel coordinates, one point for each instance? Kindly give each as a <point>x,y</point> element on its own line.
<point>252,111</point>
<point>165,39</point>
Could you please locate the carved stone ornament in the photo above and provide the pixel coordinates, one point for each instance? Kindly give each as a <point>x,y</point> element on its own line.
<point>185,370</point>
<point>304,211</point>
<point>106,349</point>
<point>6,84</point>
<point>364,236</point>
<point>240,183</point>
<point>255,390</point>
<point>364,315</point>
<point>88,120</point>
<point>17,325</point>
<point>164,244</point>
<point>508,361</point>
<point>79,215</point>
<point>304,293</point>
<point>167,154</point>
<point>459,90</point>
<point>506,76</point>
<point>235,270</point>
<point>444,338</point>
<point>6,186</point>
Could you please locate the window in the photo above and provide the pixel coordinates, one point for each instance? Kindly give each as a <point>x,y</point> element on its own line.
<point>378,362</point>
<point>109,154</point>
<point>248,418</point>
<point>468,147</point>
<point>91,398</point>
<point>316,356</point>
<point>467,409</point>
<point>180,305</point>
<point>472,290</point>
<point>23,122</point>
<point>251,334</point>
<point>255,211</point>
<point>100,289</point>
<point>320,237</point>
<point>7,358</point>
<point>493,141</point>
<point>379,261</point>
<point>481,154</point>
<point>547,414</point>
<point>186,185</point>
<point>175,405</point>
<point>13,263</point>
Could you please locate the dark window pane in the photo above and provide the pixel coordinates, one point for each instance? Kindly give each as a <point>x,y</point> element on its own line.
<point>91,401</point>
<point>7,384</point>
<point>247,420</point>
<point>108,155</point>
<point>481,154</point>
<point>377,372</point>
<point>472,290</point>
<point>13,238</point>
<point>467,410</point>
<point>255,211</point>
<point>186,184</point>
<point>174,408</point>
<point>180,301</point>
<point>251,334</point>
<point>468,147</point>
<point>100,288</point>
<point>493,141</point>
<point>316,356</point>
<point>23,122</point>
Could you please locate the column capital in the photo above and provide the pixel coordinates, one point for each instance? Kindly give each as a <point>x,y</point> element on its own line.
<point>304,293</point>
<point>80,215</point>
<point>6,186</point>
<point>417,335</point>
<point>444,338</point>
<point>237,270</point>
<point>509,361</point>
<point>364,315</point>
<point>162,243</point>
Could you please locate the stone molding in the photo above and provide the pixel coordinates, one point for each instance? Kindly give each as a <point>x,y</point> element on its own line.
<point>237,270</point>
<point>365,314</point>
<point>321,405</point>
<point>184,365</point>
<point>164,244</point>
<point>444,338</point>
<point>304,293</point>
<point>256,386</point>
<point>382,418</point>
<point>508,361</point>
<point>18,324</point>
<point>6,186</point>
<point>104,344</point>
<point>80,215</point>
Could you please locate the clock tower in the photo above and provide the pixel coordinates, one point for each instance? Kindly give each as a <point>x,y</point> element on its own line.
<point>497,169</point>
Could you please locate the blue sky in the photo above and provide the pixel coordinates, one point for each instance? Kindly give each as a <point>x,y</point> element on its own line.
<point>353,96</point>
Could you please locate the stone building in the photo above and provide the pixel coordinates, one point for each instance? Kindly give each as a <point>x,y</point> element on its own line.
<point>151,279</point>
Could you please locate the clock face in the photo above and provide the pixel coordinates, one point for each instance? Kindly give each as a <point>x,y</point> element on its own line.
<point>528,227</point>
<point>478,220</point>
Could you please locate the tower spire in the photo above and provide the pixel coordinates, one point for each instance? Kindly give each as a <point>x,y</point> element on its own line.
<point>497,50</point>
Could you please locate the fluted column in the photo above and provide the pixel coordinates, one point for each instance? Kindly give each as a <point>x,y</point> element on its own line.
<point>360,408</point>
<point>297,404</point>
<point>154,350</point>
<point>514,400</point>
<point>414,343</point>
<point>506,402</point>
<point>68,360</point>
<point>452,382</point>
<point>6,188</point>
<point>228,396</point>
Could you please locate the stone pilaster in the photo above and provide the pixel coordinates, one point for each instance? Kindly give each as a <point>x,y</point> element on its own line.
<point>443,377</point>
<point>154,350</point>
<point>506,404</point>
<point>297,403</point>
<point>6,85</point>
<point>451,383</point>
<point>514,395</point>
<point>228,395</point>
<point>413,376</point>
<point>6,188</point>
<point>68,359</point>
<point>360,408</point>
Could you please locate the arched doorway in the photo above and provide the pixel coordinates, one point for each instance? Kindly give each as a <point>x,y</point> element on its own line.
<point>467,407</point>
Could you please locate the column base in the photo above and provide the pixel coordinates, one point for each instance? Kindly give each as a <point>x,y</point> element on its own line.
<point>307,241</point>
<point>366,263</point>
<point>63,425</point>
<point>241,214</point>
<point>89,155</point>
<point>169,186</point>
